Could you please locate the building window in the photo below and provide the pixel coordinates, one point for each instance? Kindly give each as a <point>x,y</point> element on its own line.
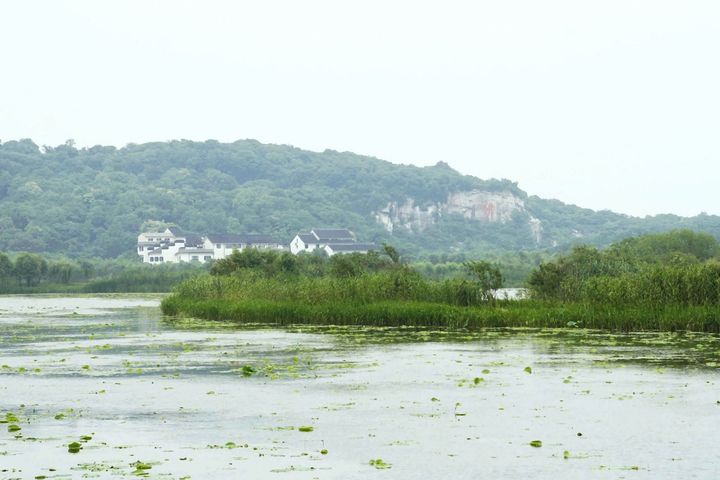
<point>208,257</point>
<point>195,257</point>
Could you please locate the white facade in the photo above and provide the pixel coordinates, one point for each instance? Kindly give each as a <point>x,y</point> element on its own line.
<point>173,246</point>
<point>332,249</point>
<point>331,240</point>
<point>303,243</point>
<point>224,245</point>
<point>201,255</point>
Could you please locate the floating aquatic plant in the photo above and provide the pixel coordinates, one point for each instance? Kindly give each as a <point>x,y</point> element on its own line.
<point>380,464</point>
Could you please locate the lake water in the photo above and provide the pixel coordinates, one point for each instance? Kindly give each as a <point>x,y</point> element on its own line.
<point>190,399</point>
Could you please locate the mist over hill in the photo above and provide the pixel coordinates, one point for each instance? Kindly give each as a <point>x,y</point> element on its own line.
<point>94,201</point>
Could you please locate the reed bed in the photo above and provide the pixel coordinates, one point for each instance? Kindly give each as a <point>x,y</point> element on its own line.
<point>525,313</point>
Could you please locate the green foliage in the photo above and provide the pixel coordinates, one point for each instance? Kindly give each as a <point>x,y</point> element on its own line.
<point>31,273</point>
<point>92,202</point>
<point>487,276</point>
<point>417,314</point>
<point>6,269</point>
<point>29,268</point>
<point>672,268</point>
<point>391,252</point>
<point>588,288</point>
<point>351,277</point>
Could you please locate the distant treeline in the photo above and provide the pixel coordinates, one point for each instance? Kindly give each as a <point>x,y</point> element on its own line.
<point>32,273</point>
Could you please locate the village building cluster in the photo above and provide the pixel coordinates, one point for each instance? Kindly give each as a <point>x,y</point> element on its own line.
<point>175,246</point>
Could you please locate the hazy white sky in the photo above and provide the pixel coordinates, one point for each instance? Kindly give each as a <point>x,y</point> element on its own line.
<point>605,104</point>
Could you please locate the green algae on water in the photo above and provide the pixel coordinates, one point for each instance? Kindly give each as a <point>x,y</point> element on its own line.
<point>380,464</point>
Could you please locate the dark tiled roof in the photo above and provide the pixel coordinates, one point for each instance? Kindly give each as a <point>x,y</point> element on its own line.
<point>259,238</point>
<point>241,239</point>
<point>343,233</point>
<point>193,240</point>
<point>335,240</point>
<point>225,238</point>
<point>307,238</point>
<point>176,231</point>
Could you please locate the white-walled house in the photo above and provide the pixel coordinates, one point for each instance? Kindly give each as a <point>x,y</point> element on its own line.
<point>174,246</point>
<point>335,248</point>
<point>303,242</point>
<point>201,255</point>
<point>223,245</point>
<point>330,240</point>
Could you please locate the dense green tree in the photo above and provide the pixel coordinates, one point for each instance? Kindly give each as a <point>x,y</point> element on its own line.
<point>61,271</point>
<point>345,266</point>
<point>6,269</point>
<point>30,268</point>
<point>391,252</point>
<point>657,261</point>
<point>486,275</point>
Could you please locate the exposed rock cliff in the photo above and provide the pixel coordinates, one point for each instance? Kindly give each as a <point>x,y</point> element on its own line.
<point>474,205</point>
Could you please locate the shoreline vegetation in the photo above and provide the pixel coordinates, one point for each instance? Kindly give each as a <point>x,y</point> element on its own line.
<point>507,314</point>
<point>30,273</point>
<point>661,282</point>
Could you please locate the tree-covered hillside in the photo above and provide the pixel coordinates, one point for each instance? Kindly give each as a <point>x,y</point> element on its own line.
<point>94,201</point>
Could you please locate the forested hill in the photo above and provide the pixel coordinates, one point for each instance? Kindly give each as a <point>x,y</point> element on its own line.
<point>94,201</point>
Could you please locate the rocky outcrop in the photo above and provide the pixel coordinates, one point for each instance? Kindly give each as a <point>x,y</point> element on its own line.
<point>475,205</point>
<point>484,206</point>
<point>536,229</point>
<point>408,216</point>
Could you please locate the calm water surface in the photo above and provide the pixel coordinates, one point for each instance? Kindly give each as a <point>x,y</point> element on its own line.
<point>189,399</point>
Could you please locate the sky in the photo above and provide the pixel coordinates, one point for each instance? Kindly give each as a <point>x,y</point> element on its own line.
<point>603,104</point>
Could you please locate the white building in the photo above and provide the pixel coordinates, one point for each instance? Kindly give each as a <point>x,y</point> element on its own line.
<point>335,248</point>
<point>223,245</point>
<point>331,240</point>
<point>174,246</point>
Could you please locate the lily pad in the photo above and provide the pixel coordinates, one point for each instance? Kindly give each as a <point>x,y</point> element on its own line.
<point>380,464</point>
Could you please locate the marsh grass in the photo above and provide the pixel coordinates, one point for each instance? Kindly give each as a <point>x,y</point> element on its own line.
<point>436,315</point>
<point>405,298</point>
